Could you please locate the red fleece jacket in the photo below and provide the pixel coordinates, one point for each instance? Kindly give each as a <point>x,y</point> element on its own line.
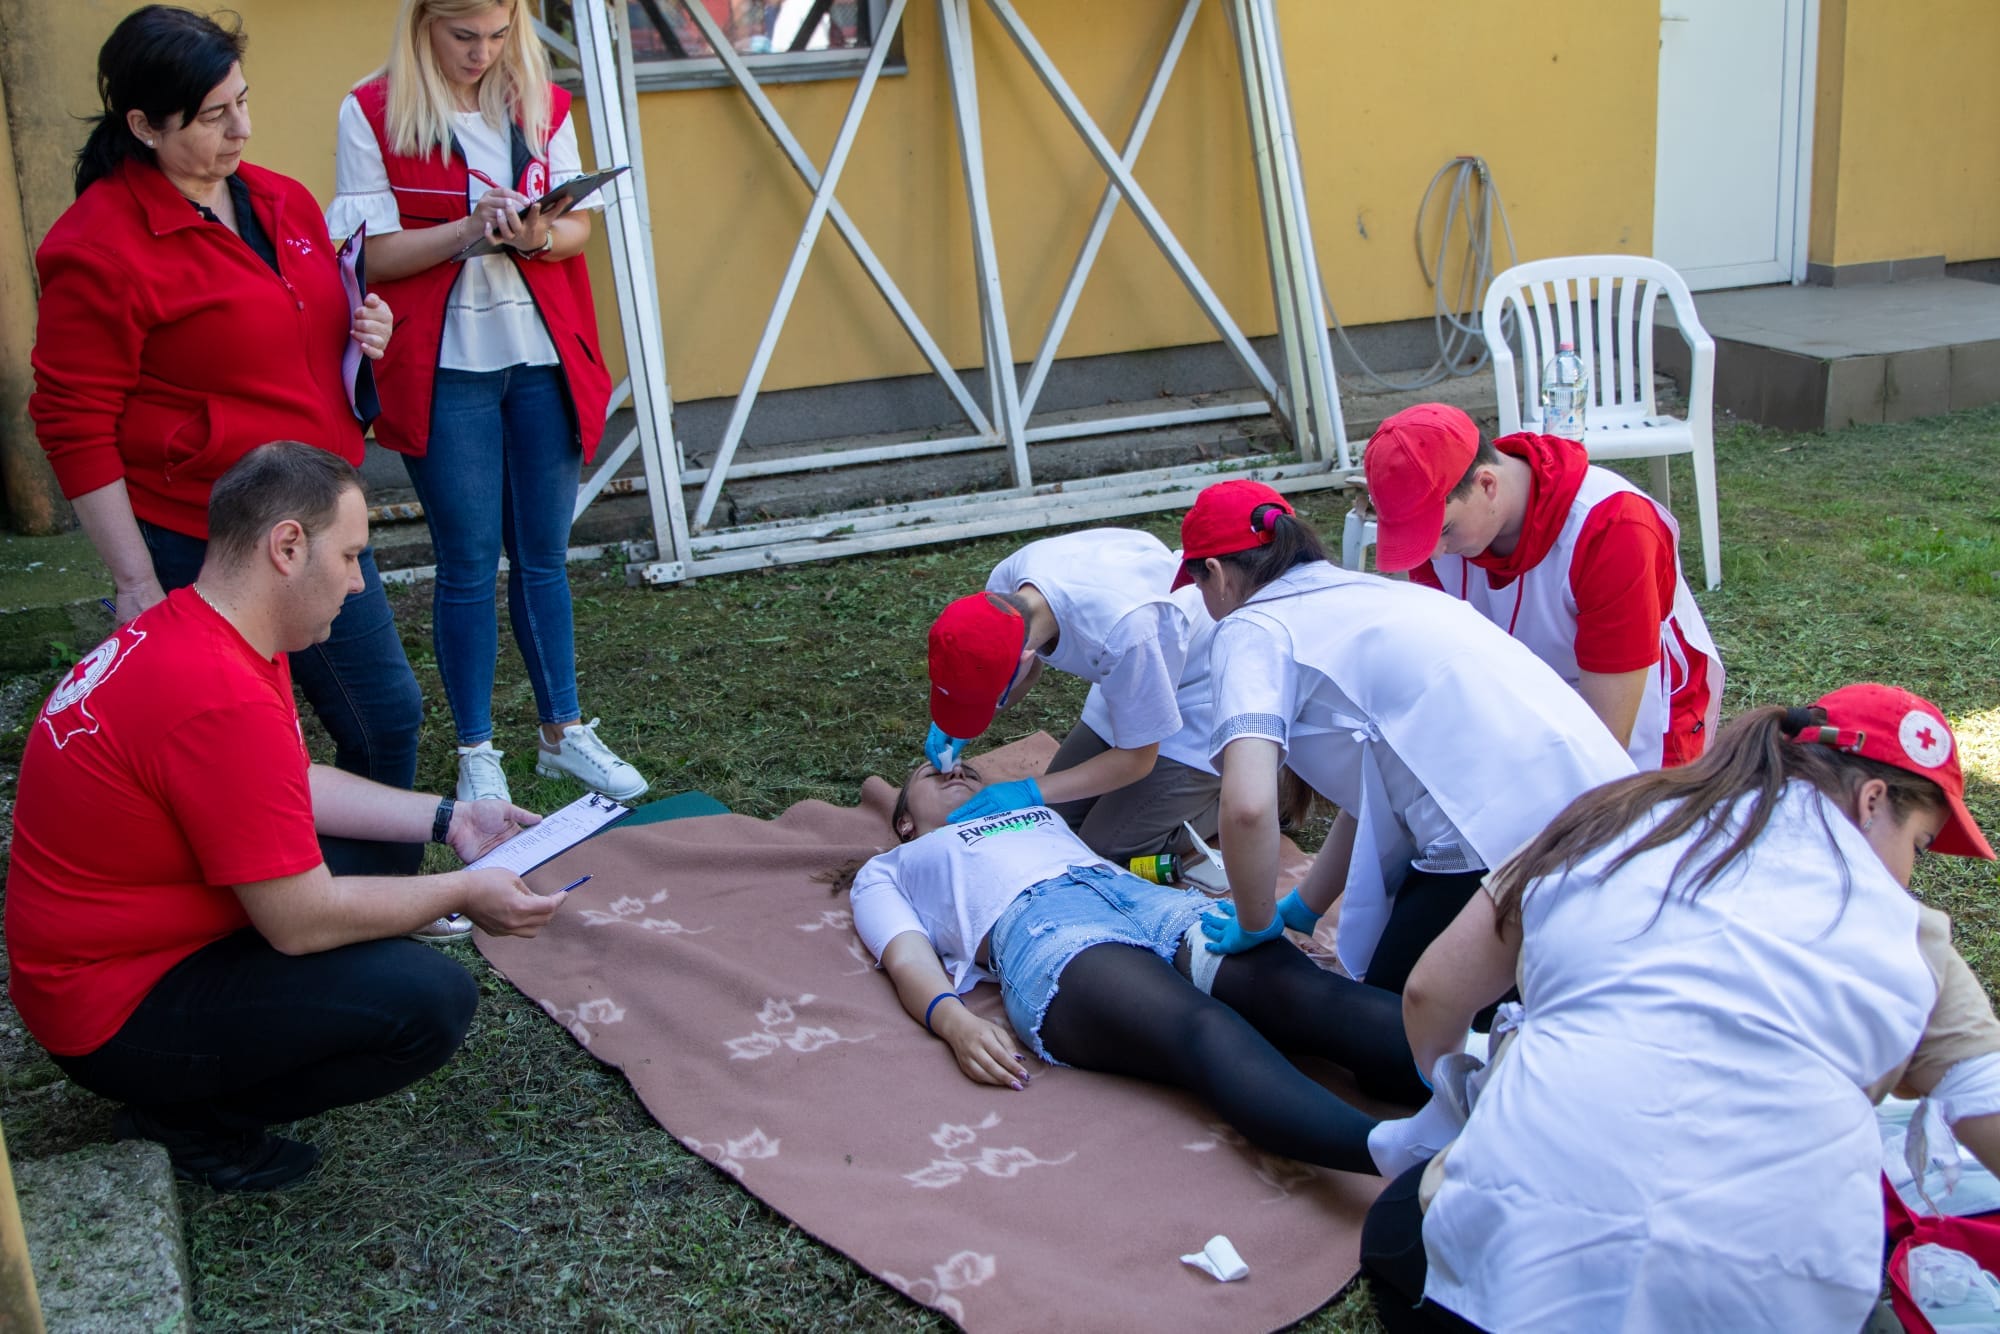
<point>166,350</point>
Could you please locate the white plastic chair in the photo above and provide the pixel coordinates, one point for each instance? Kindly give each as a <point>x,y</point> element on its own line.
<point>1604,305</point>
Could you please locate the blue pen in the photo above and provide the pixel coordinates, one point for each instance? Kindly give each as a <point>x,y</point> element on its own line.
<point>573,884</point>
<point>109,605</point>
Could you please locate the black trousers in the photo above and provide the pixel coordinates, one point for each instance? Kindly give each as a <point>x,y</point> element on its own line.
<point>1392,1255</point>
<point>1424,905</point>
<point>238,1036</point>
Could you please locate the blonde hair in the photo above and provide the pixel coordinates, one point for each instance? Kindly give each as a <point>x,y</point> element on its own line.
<point>420,107</point>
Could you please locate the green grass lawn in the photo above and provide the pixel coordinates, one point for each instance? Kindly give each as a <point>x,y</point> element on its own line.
<point>524,1186</point>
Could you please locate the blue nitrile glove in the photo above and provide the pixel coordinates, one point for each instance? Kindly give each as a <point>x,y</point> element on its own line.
<point>999,799</point>
<point>1292,911</point>
<point>1227,936</point>
<point>943,750</point>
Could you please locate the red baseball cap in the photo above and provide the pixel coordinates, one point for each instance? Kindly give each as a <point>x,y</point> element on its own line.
<point>1226,518</point>
<point>976,645</point>
<point>1890,724</point>
<point>1412,462</point>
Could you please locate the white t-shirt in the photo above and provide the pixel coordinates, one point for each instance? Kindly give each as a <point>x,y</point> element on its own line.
<point>491,322</point>
<point>953,883</point>
<point>1119,626</point>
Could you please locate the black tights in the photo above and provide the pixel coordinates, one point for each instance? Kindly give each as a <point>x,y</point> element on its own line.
<point>1124,1010</point>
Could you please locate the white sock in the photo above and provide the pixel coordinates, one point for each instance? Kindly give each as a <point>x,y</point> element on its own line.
<point>1399,1145</point>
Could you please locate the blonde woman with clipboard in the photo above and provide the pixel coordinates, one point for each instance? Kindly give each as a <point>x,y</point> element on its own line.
<point>495,392</point>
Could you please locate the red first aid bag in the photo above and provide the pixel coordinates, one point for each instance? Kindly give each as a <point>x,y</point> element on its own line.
<point>1977,1237</point>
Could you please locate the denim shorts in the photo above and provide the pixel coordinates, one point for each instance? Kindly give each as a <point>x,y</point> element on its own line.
<point>1043,929</point>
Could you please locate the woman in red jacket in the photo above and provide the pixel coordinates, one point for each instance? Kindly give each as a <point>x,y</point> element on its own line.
<point>192,310</point>
<point>495,391</point>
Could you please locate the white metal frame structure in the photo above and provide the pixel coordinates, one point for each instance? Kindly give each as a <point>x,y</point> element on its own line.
<point>1304,395</point>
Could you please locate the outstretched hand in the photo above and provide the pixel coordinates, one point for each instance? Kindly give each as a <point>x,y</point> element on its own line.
<point>999,799</point>
<point>478,827</point>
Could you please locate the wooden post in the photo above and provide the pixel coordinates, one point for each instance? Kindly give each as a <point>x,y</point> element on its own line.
<point>27,486</point>
<point>20,1308</point>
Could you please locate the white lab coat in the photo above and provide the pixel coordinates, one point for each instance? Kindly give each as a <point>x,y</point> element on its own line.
<point>1680,1136</point>
<point>1445,738</point>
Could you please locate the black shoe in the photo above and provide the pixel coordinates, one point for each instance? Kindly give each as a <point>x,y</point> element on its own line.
<point>245,1160</point>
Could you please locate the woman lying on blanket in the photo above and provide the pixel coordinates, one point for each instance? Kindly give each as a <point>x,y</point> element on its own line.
<point>1103,970</point>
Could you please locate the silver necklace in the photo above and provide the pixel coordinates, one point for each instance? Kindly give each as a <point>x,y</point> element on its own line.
<point>207,599</point>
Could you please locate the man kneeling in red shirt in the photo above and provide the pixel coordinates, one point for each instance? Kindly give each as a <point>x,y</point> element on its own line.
<point>1570,559</point>
<point>175,938</point>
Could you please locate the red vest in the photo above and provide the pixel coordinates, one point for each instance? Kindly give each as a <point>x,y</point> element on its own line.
<point>431,191</point>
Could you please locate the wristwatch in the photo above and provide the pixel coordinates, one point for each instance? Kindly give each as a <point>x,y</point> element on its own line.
<point>548,244</point>
<point>441,822</point>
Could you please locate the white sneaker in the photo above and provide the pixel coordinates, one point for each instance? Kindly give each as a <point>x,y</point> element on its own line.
<point>445,930</point>
<point>590,762</point>
<point>479,773</point>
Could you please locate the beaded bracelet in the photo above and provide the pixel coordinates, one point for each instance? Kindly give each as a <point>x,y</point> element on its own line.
<point>942,995</point>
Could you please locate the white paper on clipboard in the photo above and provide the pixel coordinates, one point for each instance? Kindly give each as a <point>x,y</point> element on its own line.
<point>558,832</point>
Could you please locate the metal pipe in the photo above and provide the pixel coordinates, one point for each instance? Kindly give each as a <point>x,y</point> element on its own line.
<point>878,275</point>
<point>1142,206</point>
<point>1107,207</point>
<point>836,163</point>
<point>1003,391</point>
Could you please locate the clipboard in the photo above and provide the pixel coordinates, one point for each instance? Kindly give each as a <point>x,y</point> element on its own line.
<point>573,191</point>
<point>356,371</point>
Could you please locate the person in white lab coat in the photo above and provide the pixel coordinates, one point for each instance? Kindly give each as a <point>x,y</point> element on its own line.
<point>1095,604</point>
<point>1444,743</point>
<point>1721,969</point>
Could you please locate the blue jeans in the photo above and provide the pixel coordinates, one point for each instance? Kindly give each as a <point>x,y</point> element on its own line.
<point>238,1036</point>
<point>358,682</point>
<point>501,472</point>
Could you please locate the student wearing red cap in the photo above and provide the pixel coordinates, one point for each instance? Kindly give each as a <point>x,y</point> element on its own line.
<point>1444,743</point>
<point>1570,559</point>
<point>1721,970</point>
<point>1096,604</point>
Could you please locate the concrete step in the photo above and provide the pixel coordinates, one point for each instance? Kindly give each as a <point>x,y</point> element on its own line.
<point>104,1237</point>
<point>1822,358</point>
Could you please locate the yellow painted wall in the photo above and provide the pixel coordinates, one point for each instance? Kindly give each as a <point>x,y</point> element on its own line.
<point>1914,120</point>
<point>1382,94</point>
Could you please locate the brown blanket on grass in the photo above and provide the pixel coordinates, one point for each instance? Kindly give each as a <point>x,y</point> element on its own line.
<point>704,962</point>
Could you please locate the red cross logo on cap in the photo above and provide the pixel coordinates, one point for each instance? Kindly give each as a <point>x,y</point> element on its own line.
<point>1925,739</point>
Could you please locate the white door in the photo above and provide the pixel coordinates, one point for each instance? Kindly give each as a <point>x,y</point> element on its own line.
<point>1729,176</point>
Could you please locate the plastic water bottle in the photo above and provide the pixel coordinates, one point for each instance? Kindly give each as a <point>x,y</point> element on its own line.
<point>1565,393</point>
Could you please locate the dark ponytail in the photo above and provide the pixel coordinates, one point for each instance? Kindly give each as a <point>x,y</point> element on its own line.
<point>1754,756</point>
<point>1292,543</point>
<point>160,61</point>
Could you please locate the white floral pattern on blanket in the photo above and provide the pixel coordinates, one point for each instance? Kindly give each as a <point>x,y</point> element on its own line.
<point>951,1169</point>
<point>731,1154</point>
<point>598,1010</point>
<point>1280,1174</point>
<point>967,1269</point>
<point>631,910</point>
<point>779,1020</point>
